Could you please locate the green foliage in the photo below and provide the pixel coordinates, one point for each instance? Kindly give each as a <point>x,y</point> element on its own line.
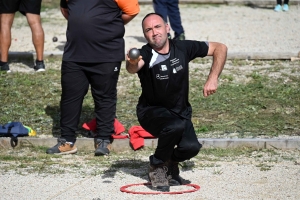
<point>262,105</point>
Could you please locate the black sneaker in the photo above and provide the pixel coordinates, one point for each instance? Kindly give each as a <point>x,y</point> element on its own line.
<point>5,67</point>
<point>102,147</point>
<point>39,66</point>
<point>62,147</point>
<point>173,174</point>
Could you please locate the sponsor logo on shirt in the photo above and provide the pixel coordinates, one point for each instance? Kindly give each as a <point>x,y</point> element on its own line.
<point>116,69</point>
<point>174,61</point>
<point>179,68</point>
<point>163,68</point>
<point>161,77</point>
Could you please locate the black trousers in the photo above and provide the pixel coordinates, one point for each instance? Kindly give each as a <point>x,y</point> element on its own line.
<point>177,139</point>
<point>284,1</point>
<point>75,81</point>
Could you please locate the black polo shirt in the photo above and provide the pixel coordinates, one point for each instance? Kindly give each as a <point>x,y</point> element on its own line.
<point>165,77</point>
<point>95,31</point>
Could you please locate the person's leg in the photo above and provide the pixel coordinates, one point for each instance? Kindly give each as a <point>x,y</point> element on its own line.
<point>167,127</point>
<point>160,7</point>
<point>7,13</point>
<point>34,22</point>
<point>75,85</point>
<point>189,146</point>
<point>285,6</point>
<point>103,79</point>
<point>0,33</point>
<point>5,34</point>
<point>174,17</point>
<point>31,9</point>
<point>278,7</point>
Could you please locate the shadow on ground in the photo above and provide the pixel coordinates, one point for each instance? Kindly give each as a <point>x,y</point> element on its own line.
<point>87,114</point>
<point>138,168</point>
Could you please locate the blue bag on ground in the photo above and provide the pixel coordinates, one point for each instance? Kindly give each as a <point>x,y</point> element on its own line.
<point>13,129</point>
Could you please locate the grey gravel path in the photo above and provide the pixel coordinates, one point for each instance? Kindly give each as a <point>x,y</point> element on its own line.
<point>241,28</point>
<point>232,180</point>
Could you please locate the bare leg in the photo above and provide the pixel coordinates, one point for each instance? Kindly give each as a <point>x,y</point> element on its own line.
<point>35,24</point>
<point>0,35</point>
<point>5,34</point>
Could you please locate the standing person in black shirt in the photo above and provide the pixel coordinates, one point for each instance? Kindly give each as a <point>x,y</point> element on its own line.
<point>163,108</point>
<point>92,57</point>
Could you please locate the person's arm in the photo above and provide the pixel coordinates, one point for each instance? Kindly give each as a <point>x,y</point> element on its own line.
<point>130,9</point>
<point>134,65</point>
<point>64,12</point>
<point>127,18</point>
<point>219,53</point>
<point>64,8</point>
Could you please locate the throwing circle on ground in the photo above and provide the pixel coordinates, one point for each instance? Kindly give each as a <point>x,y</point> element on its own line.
<point>126,189</point>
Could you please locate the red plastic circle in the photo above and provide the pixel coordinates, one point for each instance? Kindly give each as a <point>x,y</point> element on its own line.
<point>125,189</point>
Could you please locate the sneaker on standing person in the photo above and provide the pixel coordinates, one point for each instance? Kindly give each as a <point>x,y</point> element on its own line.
<point>4,67</point>
<point>39,66</point>
<point>62,147</point>
<point>285,7</point>
<point>102,147</point>
<point>278,8</point>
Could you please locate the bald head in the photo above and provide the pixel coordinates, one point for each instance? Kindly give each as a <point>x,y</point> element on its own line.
<point>155,31</point>
<point>149,14</point>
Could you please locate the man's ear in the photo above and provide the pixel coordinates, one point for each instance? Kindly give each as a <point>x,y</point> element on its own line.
<point>168,28</point>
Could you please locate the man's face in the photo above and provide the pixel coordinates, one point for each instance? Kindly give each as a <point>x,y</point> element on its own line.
<point>155,31</point>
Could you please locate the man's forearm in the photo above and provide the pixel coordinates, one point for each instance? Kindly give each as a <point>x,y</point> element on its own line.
<point>219,59</point>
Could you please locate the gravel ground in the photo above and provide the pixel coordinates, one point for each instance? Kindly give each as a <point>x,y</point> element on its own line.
<point>261,175</point>
<point>242,29</point>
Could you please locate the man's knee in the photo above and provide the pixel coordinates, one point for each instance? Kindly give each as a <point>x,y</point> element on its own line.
<point>192,149</point>
<point>175,127</point>
<point>33,19</point>
<point>186,152</point>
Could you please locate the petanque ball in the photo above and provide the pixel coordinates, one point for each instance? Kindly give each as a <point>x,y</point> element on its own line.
<point>134,53</point>
<point>54,39</point>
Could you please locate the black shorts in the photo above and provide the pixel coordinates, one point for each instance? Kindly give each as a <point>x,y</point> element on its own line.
<point>24,6</point>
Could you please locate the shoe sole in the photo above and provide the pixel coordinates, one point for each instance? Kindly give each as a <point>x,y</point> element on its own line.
<point>40,70</point>
<point>67,152</point>
<point>7,71</point>
<point>161,188</point>
<point>101,153</point>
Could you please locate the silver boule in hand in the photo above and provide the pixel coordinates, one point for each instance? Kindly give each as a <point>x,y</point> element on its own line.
<point>134,53</point>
